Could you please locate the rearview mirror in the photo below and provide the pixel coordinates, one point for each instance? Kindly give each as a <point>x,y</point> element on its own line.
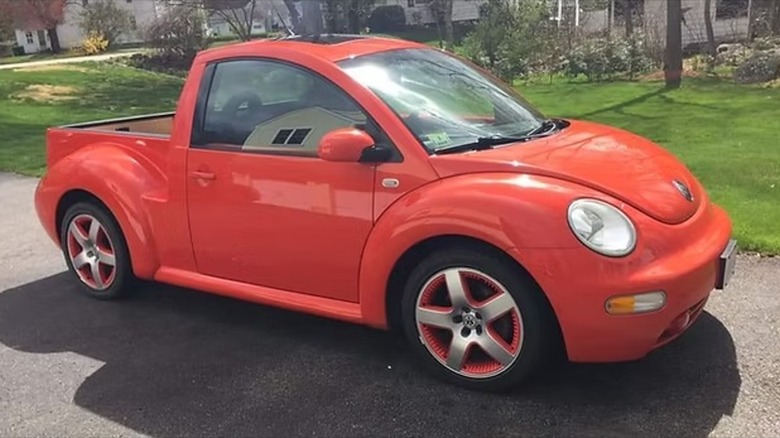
<point>344,144</point>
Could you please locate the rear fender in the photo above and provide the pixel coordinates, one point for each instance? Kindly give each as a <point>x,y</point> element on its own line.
<point>130,186</point>
<point>505,210</point>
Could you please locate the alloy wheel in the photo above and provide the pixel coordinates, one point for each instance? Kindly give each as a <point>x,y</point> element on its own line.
<point>469,322</point>
<point>91,252</point>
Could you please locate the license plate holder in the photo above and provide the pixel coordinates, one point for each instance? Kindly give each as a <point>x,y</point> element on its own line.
<point>726,265</point>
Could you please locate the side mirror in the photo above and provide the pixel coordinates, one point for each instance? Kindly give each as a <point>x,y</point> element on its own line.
<point>344,144</point>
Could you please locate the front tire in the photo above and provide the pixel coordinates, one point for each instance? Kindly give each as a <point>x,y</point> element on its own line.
<point>476,320</point>
<point>95,251</point>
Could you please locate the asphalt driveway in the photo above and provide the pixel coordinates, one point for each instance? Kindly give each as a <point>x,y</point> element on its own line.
<point>173,362</point>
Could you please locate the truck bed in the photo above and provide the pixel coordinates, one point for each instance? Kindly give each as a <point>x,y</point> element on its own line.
<point>148,134</point>
<point>148,124</point>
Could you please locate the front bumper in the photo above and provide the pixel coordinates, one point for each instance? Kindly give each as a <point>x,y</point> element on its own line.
<point>684,261</point>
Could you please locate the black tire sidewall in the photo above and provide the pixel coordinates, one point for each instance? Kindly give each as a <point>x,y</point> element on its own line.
<point>525,293</point>
<point>123,276</point>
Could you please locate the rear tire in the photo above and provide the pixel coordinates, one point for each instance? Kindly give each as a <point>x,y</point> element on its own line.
<point>462,340</point>
<point>95,251</point>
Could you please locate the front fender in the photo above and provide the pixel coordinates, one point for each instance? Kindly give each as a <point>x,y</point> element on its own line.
<point>125,182</point>
<point>503,209</point>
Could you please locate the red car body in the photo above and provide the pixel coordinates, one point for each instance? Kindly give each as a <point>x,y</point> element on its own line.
<point>329,237</point>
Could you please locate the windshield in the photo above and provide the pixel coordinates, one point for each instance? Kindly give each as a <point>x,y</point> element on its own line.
<point>444,101</point>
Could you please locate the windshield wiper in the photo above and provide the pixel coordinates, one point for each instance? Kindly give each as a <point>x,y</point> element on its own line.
<point>546,128</point>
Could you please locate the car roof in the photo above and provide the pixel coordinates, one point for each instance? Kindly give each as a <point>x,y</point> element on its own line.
<point>332,47</point>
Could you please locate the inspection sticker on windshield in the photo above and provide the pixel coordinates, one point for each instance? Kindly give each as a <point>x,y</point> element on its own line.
<point>438,139</point>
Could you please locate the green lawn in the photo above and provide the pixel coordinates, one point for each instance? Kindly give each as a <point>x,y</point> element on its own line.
<point>29,104</point>
<point>728,135</point>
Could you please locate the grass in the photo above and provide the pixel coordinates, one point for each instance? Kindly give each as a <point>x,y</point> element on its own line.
<point>725,133</point>
<point>85,91</point>
<point>42,56</point>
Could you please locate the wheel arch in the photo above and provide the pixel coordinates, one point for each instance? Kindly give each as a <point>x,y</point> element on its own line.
<point>422,249</point>
<point>73,197</point>
<point>125,186</point>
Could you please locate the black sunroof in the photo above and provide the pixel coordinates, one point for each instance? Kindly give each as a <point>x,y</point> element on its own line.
<point>326,38</point>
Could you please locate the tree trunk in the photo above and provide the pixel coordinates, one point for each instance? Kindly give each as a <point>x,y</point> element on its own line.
<point>54,39</point>
<point>673,53</point>
<point>776,17</point>
<point>711,49</point>
<point>311,21</point>
<point>449,34</point>
<point>628,13</point>
<point>295,19</point>
<point>353,17</point>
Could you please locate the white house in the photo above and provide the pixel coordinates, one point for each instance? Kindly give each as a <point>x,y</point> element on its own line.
<point>729,18</point>
<point>419,11</point>
<point>32,35</point>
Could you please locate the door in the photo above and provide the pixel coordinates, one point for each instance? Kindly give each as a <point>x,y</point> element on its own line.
<point>42,42</point>
<point>263,208</point>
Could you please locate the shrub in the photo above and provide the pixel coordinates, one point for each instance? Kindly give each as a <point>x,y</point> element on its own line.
<point>511,39</point>
<point>177,36</point>
<point>105,18</point>
<point>94,43</point>
<point>602,58</point>
<point>387,19</point>
<point>733,54</point>
<point>761,67</point>
<point>159,62</point>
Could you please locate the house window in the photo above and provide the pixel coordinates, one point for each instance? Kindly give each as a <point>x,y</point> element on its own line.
<point>29,38</point>
<point>726,9</point>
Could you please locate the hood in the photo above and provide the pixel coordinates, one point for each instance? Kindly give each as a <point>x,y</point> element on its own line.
<point>621,164</point>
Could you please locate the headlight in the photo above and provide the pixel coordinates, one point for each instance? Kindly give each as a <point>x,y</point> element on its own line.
<point>602,227</point>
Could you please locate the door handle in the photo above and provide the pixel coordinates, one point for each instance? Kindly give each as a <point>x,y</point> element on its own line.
<point>199,174</point>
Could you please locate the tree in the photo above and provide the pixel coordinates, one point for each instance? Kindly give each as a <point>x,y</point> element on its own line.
<point>628,13</point>
<point>105,18</point>
<point>295,18</point>
<point>775,8</point>
<point>347,15</point>
<point>442,12</point>
<point>6,23</point>
<point>673,54</point>
<point>178,34</point>
<point>6,33</point>
<point>237,14</point>
<point>711,49</point>
<point>310,21</point>
<point>48,13</point>
<point>513,39</point>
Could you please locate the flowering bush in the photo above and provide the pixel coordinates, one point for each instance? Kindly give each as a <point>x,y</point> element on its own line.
<point>94,43</point>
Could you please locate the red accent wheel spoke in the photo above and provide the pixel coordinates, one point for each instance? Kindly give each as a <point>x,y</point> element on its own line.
<point>91,252</point>
<point>469,322</point>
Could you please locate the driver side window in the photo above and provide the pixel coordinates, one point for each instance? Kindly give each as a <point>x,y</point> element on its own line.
<point>273,107</point>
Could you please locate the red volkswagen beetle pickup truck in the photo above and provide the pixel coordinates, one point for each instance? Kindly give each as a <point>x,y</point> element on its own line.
<point>387,183</point>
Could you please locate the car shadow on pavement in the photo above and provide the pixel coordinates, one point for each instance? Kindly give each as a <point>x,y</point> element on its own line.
<point>183,363</point>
